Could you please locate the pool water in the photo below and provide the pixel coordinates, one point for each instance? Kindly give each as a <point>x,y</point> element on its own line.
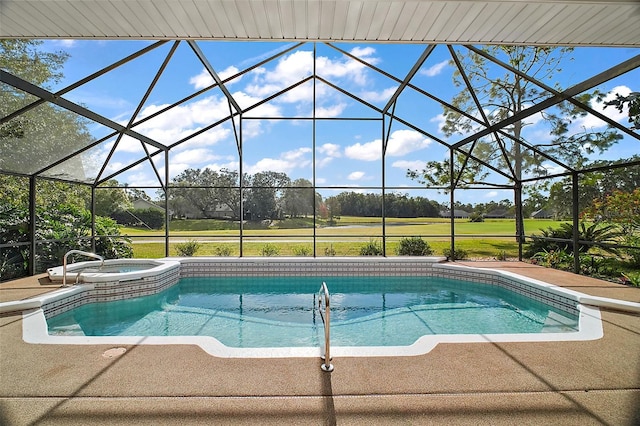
<point>252,312</point>
<point>116,269</point>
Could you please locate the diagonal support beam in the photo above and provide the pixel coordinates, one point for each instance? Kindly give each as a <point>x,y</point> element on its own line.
<point>214,74</point>
<point>587,84</point>
<point>412,72</point>
<point>32,89</point>
<point>85,80</point>
<point>550,89</point>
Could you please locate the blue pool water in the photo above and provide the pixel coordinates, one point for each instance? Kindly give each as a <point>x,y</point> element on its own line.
<point>251,312</point>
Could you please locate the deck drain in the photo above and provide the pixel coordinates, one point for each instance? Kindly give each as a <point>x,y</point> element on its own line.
<point>114,352</point>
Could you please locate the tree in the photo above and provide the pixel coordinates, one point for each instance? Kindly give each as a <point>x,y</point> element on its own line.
<point>28,143</point>
<point>198,192</point>
<point>49,132</point>
<point>299,199</point>
<point>136,194</point>
<point>502,97</point>
<point>632,102</point>
<point>595,186</point>
<point>262,193</point>
<point>622,208</point>
<point>112,199</point>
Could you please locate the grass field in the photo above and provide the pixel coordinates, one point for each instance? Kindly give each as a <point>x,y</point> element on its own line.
<point>489,239</point>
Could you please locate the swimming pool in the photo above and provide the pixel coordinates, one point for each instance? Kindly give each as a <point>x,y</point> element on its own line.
<point>252,312</point>
<point>37,311</point>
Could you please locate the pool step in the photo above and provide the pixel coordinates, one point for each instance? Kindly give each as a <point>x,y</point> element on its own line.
<point>556,323</point>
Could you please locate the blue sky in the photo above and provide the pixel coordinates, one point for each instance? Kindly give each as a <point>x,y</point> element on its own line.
<point>348,151</point>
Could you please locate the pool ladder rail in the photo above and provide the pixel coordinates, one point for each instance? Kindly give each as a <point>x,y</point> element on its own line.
<point>84,253</point>
<point>323,295</point>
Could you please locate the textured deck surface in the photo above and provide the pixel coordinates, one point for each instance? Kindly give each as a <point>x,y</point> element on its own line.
<point>586,383</point>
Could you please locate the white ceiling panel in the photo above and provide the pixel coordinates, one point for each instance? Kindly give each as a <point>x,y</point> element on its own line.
<point>532,22</point>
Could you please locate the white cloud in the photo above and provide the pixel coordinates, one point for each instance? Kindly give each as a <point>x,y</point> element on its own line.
<point>355,175</point>
<point>592,122</point>
<point>401,142</point>
<point>369,151</point>
<point>409,165</point>
<point>299,65</point>
<point>183,120</point>
<point>204,79</point>
<point>229,165</point>
<point>289,70</point>
<point>194,156</point>
<point>245,101</point>
<point>127,144</point>
<point>373,96</point>
<point>330,149</point>
<point>434,70</point>
<point>287,162</point>
<point>68,43</point>
<point>323,162</point>
<point>329,112</point>
<point>364,52</point>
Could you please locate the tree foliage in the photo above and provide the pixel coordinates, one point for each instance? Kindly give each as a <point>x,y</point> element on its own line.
<point>263,191</point>
<point>112,199</point>
<point>502,96</point>
<point>198,192</point>
<point>29,142</point>
<point>49,132</point>
<point>618,207</point>
<point>632,103</point>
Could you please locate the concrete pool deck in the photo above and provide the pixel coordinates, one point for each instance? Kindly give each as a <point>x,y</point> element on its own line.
<point>590,382</point>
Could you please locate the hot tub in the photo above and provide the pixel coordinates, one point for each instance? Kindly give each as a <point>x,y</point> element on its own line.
<point>112,270</point>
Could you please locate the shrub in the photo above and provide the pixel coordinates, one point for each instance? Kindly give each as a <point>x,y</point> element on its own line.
<point>631,278</point>
<point>414,246</point>
<point>150,218</point>
<point>329,251</point>
<point>502,255</point>
<point>558,259</point>
<point>302,251</point>
<point>372,248</point>
<point>222,250</point>
<point>476,217</point>
<point>109,243</point>
<point>188,248</point>
<point>458,254</point>
<point>633,254</point>
<point>269,250</point>
<point>595,233</point>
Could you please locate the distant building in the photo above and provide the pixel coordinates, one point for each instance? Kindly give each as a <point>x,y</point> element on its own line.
<point>457,213</point>
<point>222,211</point>
<point>142,204</point>
<point>541,214</point>
<point>497,214</point>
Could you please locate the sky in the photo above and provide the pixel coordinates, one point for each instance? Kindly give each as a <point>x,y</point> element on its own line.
<point>347,152</point>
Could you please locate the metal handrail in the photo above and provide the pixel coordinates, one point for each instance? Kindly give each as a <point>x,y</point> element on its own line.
<point>324,293</point>
<point>84,253</point>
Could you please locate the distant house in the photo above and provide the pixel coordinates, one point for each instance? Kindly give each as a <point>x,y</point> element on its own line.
<point>496,214</point>
<point>457,213</point>
<point>221,211</point>
<point>541,214</point>
<point>141,204</point>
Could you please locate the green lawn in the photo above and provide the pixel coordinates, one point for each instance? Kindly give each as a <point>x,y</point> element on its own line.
<point>350,226</point>
<point>492,238</point>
